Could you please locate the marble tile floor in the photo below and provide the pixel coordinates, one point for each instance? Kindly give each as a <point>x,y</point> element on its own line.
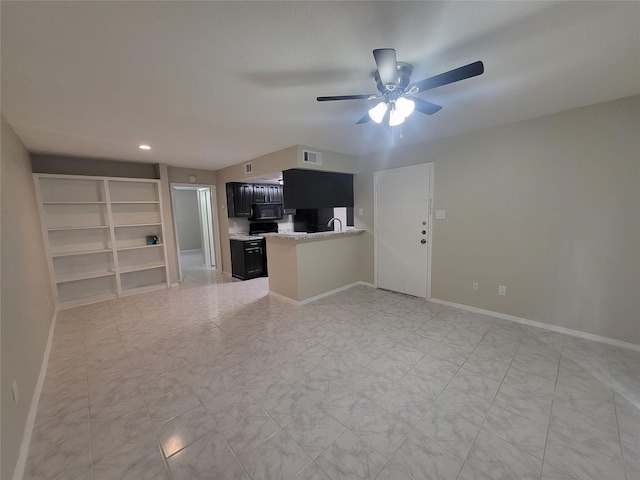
<point>217,380</point>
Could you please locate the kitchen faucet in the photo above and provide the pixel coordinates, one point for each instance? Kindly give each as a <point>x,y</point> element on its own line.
<point>330,223</point>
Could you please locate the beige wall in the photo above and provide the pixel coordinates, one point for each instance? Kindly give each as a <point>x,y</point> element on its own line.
<point>305,268</point>
<point>25,316</point>
<point>327,265</point>
<point>331,161</point>
<point>548,207</point>
<point>63,164</point>
<point>181,175</point>
<point>187,219</point>
<point>282,264</point>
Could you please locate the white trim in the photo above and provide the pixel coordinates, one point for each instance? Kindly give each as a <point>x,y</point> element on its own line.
<point>376,175</point>
<point>18,473</point>
<point>545,326</point>
<point>322,295</point>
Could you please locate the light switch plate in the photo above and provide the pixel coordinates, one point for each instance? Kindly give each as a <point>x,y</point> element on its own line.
<point>439,214</point>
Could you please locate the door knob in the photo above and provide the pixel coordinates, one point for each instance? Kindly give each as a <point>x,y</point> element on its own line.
<point>423,241</point>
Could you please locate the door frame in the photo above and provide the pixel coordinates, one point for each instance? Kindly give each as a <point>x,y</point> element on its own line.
<point>376,175</point>
<point>214,222</point>
<point>203,195</point>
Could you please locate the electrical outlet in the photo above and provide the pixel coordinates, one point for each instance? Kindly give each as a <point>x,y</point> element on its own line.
<point>15,392</point>
<point>360,211</point>
<point>475,285</point>
<point>502,290</point>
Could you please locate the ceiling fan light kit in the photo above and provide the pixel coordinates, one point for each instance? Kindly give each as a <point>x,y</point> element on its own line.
<point>378,112</point>
<point>395,95</point>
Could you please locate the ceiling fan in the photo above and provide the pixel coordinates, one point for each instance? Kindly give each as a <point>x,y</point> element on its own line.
<point>396,100</point>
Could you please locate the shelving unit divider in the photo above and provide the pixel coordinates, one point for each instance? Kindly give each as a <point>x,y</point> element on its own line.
<point>112,233</point>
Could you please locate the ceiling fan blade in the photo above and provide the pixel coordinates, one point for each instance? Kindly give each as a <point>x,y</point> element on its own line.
<point>452,76</point>
<point>364,119</point>
<point>344,97</point>
<point>425,107</point>
<point>387,66</point>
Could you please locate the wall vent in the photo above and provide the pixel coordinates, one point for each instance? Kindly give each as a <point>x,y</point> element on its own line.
<point>248,168</point>
<point>314,158</point>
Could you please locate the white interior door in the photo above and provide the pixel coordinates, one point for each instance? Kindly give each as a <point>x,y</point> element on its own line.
<point>403,229</point>
<point>206,227</point>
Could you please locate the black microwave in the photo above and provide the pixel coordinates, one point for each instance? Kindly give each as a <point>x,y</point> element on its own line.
<point>266,211</point>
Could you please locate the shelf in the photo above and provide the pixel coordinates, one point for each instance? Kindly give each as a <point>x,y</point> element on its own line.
<point>84,276</point>
<point>138,225</point>
<point>60,229</point>
<point>149,288</point>
<point>134,202</point>
<point>74,203</point>
<point>85,252</point>
<point>120,249</point>
<point>139,268</point>
<point>66,304</point>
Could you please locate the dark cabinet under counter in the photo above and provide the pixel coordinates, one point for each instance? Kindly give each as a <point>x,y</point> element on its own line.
<point>248,259</point>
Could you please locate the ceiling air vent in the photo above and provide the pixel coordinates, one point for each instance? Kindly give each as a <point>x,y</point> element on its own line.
<point>314,158</point>
<point>248,168</point>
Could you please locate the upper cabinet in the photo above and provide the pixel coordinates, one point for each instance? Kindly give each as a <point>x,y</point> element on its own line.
<point>240,197</point>
<point>274,193</point>
<point>309,189</point>
<point>260,193</point>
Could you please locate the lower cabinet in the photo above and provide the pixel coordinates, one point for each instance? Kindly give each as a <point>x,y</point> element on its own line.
<point>248,259</point>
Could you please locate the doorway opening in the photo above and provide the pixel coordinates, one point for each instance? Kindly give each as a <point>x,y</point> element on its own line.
<point>194,220</point>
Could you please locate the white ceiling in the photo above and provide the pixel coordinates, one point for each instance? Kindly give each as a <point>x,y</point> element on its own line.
<point>211,84</point>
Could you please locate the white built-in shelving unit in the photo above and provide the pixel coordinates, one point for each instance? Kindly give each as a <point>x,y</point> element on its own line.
<point>95,231</point>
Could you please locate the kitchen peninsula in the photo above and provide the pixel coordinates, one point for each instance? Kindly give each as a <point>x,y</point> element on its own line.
<point>303,266</point>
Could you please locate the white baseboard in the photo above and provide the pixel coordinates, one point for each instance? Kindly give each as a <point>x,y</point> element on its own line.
<point>318,297</point>
<point>546,326</point>
<point>18,473</point>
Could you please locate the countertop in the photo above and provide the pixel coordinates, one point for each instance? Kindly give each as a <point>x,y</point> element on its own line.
<point>298,236</point>
<point>243,237</point>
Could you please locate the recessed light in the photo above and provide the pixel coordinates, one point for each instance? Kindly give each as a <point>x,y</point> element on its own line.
<point>144,147</point>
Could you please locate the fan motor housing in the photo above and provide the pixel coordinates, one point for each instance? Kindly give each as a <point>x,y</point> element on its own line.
<point>404,73</point>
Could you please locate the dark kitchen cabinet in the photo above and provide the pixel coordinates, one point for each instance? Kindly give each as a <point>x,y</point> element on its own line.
<point>274,193</point>
<point>241,196</point>
<point>304,189</point>
<point>239,199</point>
<point>260,193</point>
<point>248,259</point>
